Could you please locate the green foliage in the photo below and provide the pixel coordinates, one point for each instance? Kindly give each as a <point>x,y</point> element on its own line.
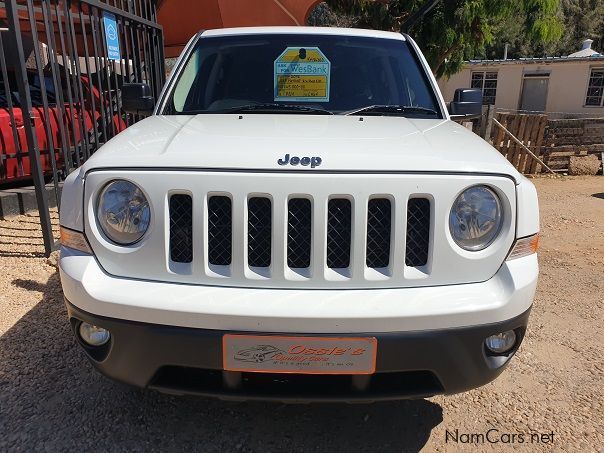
<point>457,30</point>
<point>581,19</point>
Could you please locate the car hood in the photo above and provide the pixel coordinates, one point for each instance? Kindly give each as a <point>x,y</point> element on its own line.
<point>343,143</point>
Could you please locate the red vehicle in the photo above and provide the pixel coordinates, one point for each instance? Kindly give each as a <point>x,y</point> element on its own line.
<point>13,138</point>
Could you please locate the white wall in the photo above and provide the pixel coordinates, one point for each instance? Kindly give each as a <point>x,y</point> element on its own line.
<point>567,83</point>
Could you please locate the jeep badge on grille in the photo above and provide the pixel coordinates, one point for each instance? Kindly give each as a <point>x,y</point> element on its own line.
<point>304,161</point>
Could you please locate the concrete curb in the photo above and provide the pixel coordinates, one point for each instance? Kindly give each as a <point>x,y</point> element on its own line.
<point>22,200</point>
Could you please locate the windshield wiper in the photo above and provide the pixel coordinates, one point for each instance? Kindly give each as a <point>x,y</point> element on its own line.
<point>392,110</point>
<point>270,107</point>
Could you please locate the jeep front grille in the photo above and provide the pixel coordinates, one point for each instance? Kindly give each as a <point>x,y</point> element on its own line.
<point>337,228</point>
<point>299,230</point>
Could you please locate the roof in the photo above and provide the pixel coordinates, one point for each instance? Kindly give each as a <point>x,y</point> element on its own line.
<point>585,54</point>
<point>305,31</point>
<point>541,60</point>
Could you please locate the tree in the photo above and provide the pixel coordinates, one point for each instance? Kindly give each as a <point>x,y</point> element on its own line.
<point>456,30</point>
<point>581,19</point>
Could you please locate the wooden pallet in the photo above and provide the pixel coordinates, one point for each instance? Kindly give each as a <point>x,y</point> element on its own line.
<point>528,129</point>
<point>552,141</point>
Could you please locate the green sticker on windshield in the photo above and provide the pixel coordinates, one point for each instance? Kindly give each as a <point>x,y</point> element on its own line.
<point>302,74</point>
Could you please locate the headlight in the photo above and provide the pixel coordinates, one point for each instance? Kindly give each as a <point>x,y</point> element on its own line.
<point>123,212</point>
<point>475,219</point>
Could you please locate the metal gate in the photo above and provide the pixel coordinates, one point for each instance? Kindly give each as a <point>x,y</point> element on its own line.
<point>62,64</point>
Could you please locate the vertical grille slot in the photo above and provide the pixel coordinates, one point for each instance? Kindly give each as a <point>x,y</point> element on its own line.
<point>339,231</point>
<point>259,231</point>
<point>418,232</point>
<point>220,230</point>
<point>181,228</point>
<point>299,225</point>
<point>379,221</point>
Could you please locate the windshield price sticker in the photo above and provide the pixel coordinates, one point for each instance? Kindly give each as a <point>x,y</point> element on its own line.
<point>302,74</point>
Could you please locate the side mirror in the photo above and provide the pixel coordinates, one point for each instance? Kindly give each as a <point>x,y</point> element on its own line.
<point>137,98</point>
<point>467,103</point>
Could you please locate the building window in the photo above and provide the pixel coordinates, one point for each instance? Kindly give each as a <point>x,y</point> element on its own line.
<point>595,88</point>
<point>487,83</point>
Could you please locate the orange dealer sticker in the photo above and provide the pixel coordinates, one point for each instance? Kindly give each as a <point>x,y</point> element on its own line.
<point>304,355</point>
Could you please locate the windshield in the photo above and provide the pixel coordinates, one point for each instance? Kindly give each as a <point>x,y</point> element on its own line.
<point>297,73</point>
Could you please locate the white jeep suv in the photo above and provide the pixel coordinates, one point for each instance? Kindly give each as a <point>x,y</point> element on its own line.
<point>299,219</point>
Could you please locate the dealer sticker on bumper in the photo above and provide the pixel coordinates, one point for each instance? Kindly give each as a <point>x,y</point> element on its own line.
<point>305,355</point>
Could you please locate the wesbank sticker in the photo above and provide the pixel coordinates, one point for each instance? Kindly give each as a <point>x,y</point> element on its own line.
<point>302,74</point>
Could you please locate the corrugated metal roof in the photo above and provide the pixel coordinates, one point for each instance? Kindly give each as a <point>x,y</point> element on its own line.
<point>586,53</point>
<point>594,57</point>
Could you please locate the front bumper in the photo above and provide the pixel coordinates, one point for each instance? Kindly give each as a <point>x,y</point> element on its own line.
<point>181,360</point>
<point>506,295</point>
<point>169,336</point>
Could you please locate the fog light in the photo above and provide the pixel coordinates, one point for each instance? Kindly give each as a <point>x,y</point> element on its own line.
<point>93,335</point>
<point>502,342</point>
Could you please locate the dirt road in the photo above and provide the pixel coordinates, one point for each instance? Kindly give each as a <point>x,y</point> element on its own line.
<point>551,397</point>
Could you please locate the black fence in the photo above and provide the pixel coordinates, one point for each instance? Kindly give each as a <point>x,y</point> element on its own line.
<point>62,64</point>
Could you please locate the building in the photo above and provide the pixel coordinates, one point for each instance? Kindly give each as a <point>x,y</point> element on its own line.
<point>571,84</point>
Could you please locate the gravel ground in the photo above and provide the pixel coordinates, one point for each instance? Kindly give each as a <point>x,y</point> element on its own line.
<point>51,399</point>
